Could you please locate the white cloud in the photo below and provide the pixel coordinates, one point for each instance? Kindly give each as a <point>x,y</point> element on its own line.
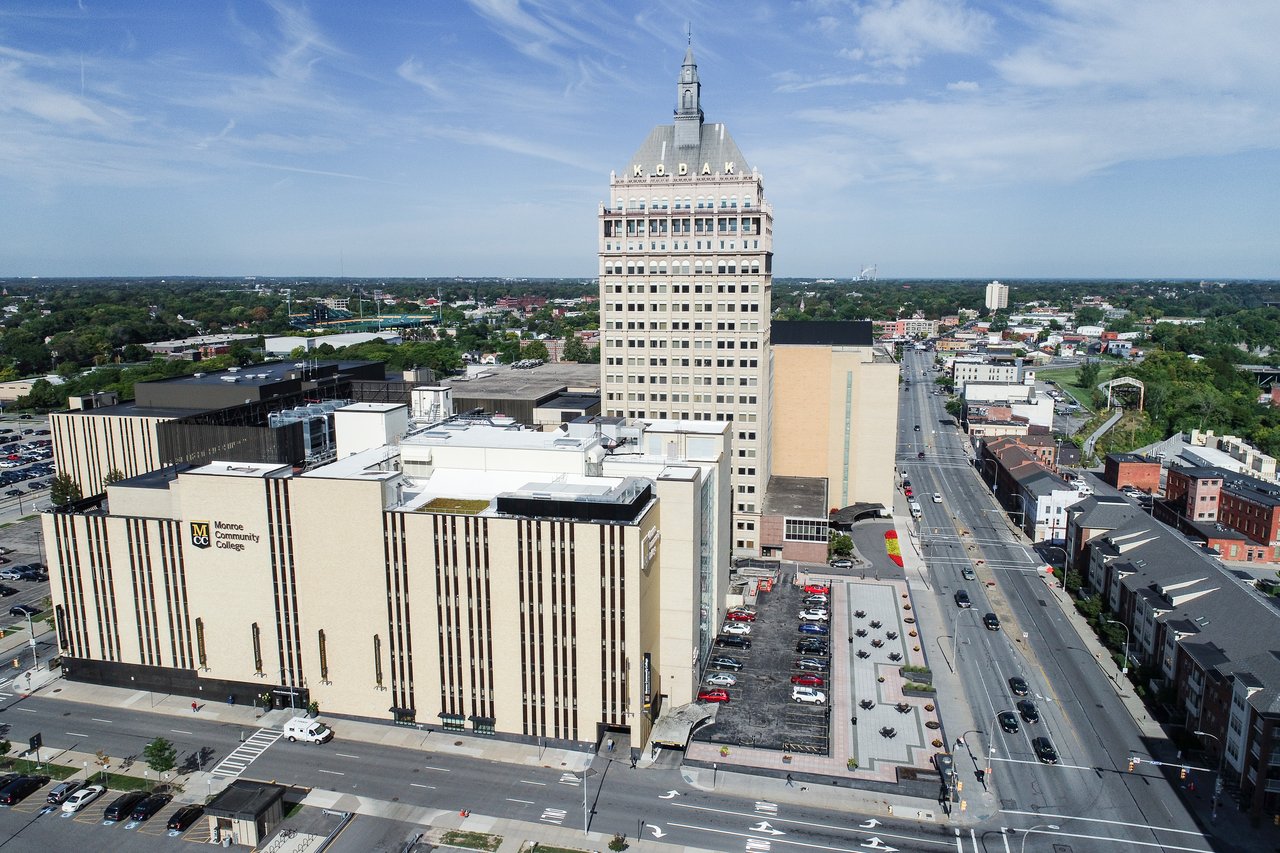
<point>902,32</point>
<point>963,86</point>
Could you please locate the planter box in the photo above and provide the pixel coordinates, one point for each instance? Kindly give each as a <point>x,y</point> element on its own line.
<point>925,677</point>
<point>906,691</point>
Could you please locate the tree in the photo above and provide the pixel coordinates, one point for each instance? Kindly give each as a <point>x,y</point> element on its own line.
<point>575,349</point>
<point>535,349</point>
<point>160,755</point>
<point>5,748</point>
<point>1087,376</point>
<point>841,544</point>
<point>115,475</point>
<point>64,490</point>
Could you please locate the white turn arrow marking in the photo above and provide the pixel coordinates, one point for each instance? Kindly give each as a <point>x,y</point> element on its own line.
<point>763,826</point>
<point>669,795</point>
<point>871,824</point>
<point>874,843</point>
<point>657,831</point>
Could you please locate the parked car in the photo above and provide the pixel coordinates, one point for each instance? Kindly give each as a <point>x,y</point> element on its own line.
<point>9,574</point>
<point>1018,685</point>
<point>735,628</point>
<point>816,601</point>
<point>82,798</point>
<point>908,492</point>
<point>1029,711</point>
<point>842,563</point>
<point>61,791</point>
<point>740,616</point>
<point>962,598</point>
<point>184,817</point>
<point>813,628</point>
<point>6,591</point>
<point>812,646</point>
<point>808,679</point>
<point>726,662</point>
<point>731,641</point>
<point>814,614</point>
<point>992,622</point>
<point>722,679</point>
<point>713,695</point>
<point>147,809</point>
<point>817,589</point>
<point>1044,750</point>
<point>122,806</point>
<point>808,695</point>
<point>21,788</point>
<point>1008,721</point>
<point>23,610</point>
<point>811,664</point>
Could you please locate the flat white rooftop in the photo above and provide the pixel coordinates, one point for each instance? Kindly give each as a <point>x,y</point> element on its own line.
<point>242,469</point>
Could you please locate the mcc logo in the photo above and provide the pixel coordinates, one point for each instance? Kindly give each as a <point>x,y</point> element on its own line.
<point>200,534</point>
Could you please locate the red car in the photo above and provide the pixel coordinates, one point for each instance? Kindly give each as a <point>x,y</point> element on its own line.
<point>809,680</point>
<point>740,616</point>
<point>713,696</point>
<point>817,589</point>
<point>907,491</point>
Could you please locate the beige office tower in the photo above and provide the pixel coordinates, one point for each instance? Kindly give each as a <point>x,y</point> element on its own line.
<point>686,252</point>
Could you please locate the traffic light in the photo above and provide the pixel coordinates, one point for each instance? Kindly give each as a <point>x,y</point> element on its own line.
<point>1182,774</point>
<point>1131,764</point>
<point>1276,820</point>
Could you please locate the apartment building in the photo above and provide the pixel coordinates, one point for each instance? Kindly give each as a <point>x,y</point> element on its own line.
<point>1212,495</point>
<point>997,296</point>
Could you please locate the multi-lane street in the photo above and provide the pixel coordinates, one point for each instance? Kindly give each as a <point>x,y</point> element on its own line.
<point>1080,709</point>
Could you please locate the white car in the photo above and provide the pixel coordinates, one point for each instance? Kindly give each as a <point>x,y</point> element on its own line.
<point>83,797</point>
<point>937,497</point>
<point>808,695</point>
<point>814,614</point>
<point>722,679</point>
<point>738,628</point>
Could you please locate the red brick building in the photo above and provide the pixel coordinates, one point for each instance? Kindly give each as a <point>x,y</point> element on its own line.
<point>1237,501</point>
<point>1130,469</point>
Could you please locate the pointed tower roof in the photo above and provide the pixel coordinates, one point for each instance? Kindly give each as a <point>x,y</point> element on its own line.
<point>688,140</point>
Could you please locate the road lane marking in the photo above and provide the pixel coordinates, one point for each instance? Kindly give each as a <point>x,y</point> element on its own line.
<point>76,734</point>
<point>811,845</point>
<point>530,782</point>
<point>439,769</point>
<point>179,732</point>
<point>345,755</point>
<point>514,800</point>
<point>96,720</point>
<point>330,772</point>
<point>1030,761</point>
<point>245,754</point>
<point>1162,846</point>
<point>416,785</point>
<point>834,827</point>
<point>1103,820</point>
<point>28,710</point>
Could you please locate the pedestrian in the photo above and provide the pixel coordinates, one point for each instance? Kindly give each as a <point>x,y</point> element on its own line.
<point>194,707</point>
<point>790,782</point>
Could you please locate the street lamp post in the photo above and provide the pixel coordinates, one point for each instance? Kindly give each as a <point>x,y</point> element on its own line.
<point>1124,670</point>
<point>31,632</point>
<point>1026,833</point>
<point>1217,780</point>
<point>955,632</point>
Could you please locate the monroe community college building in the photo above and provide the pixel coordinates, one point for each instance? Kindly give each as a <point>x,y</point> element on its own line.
<point>499,580</point>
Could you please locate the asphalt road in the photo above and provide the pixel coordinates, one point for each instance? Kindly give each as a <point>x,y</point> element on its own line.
<point>1090,791</point>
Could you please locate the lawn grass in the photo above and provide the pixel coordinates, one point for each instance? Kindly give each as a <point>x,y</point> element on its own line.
<point>1067,378</point>
<point>120,782</point>
<point>548,848</point>
<point>29,768</point>
<point>472,840</point>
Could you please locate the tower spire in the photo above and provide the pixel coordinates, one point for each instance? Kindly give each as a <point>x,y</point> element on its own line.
<point>688,101</point>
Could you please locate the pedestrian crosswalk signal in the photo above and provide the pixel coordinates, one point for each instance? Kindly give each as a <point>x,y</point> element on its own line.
<point>1131,764</point>
<point>1182,774</point>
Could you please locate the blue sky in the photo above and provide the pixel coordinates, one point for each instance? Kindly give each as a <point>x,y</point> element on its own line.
<point>1061,138</point>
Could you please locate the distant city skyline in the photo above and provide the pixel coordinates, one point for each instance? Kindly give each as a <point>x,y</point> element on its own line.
<point>930,138</point>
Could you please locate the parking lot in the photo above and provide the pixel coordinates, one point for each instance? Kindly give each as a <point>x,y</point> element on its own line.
<point>761,712</point>
<point>38,826</point>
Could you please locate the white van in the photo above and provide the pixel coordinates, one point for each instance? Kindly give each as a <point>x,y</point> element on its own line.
<point>916,511</point>
<point>307,730</point>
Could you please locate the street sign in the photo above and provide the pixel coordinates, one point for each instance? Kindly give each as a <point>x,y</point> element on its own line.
<point>36,741</point>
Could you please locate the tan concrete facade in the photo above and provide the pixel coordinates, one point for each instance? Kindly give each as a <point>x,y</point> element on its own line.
<point>478,598</point>
<point>88,446</point>
<point>835,415</point>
